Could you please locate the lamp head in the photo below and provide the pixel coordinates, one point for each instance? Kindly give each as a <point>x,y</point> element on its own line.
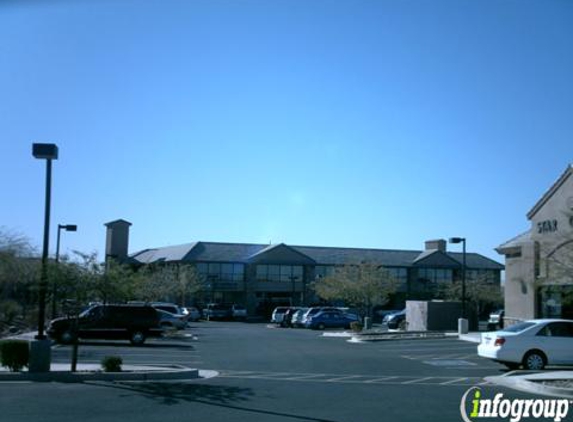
<point>45,151</point>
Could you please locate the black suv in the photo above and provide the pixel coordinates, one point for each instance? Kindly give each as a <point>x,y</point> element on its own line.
<point>111,322</point>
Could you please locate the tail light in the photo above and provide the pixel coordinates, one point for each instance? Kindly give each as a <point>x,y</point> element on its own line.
<point>500,341</point>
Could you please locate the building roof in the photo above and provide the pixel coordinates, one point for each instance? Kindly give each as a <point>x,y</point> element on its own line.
<point>547,195</point>
<point>514,244</point>
<point>244,252</point>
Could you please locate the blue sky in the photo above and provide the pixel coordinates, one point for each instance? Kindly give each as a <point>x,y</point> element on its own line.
<point>357,123</point>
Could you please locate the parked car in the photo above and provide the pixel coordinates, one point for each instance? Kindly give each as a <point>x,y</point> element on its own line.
<point>278,314</point>
<point>287,317</point>
<point>193,313</point>
<point>385,315</point>
<point>130,322</point>
<point>217,311</point>
<point>495,321</point>
<point>330,319</point>
<point>533,344</point>
<point>169,320</point>
<point>171,308</point>
<point>238,312</point>
<point>397,321</point>
<point>296,320</point>
<point>313,311</point>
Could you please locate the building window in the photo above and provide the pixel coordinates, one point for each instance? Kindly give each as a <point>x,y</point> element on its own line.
<point>222,271</point>
<point>435,275</point>
<point>400,275</point>
<point>280,273</point>
<point>321,271</point>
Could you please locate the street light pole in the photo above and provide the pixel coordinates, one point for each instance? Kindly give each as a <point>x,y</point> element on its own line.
<point>462,240</point>
<point>68,228</point>
<point>48,152</point>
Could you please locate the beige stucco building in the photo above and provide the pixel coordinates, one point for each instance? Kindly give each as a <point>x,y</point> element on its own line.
<point>539,263</point>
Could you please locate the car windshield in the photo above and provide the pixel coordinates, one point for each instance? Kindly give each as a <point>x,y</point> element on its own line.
<point>517,328</point>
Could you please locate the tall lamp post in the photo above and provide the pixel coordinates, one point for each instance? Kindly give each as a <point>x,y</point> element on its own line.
<point>68,228</point>
<point>462,240</point>
<point>46,152</point>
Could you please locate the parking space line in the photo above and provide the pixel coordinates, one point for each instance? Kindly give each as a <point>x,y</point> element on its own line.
<point>417,380</point>
<point>336,379</point>
<point>454,381</point>
<point>381,380</point>
<point>305,377</point>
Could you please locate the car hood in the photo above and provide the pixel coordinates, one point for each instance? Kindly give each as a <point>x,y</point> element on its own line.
<point>61,321</point>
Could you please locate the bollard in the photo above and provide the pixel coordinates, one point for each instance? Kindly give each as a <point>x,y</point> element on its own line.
<point>462,326</point>
<point>367,323</point>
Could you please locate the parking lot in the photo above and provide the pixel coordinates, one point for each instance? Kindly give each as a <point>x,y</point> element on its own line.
<point>268,374</point>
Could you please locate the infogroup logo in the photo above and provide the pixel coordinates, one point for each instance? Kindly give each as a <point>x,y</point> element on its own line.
<point>512,409</point>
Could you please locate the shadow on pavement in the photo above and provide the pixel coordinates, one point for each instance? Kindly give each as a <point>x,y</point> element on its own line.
<point>221,396</point>
<point>160,344</point>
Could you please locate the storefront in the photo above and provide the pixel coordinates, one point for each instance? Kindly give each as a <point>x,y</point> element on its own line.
<point>539,263</point>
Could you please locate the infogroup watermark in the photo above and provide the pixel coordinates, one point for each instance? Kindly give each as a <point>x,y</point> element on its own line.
<point>510,409</point>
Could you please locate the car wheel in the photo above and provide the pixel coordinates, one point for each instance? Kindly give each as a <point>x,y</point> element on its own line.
<point>137,338</point>
<point>67,337</point>
<point>321,326</point>
<point>403,325</point>
<point>534,360</point>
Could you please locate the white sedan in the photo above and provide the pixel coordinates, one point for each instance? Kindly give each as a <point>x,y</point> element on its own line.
<point>533,344</point>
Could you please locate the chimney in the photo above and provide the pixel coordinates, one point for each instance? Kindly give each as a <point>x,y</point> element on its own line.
<point>117,239</point>
<point>438,244</point>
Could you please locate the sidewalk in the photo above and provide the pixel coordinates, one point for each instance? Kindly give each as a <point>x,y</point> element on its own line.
<point>92,372</point>
<point>60,372</point>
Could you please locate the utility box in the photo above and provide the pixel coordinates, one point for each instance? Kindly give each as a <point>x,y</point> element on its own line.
<point>433,315</point>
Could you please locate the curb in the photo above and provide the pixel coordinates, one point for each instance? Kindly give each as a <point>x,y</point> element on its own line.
<point>411,335</point>
<point>524,383</point>
<point>173,372</point>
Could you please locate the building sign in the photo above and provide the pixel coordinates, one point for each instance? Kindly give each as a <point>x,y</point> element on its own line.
<point>547,226</point>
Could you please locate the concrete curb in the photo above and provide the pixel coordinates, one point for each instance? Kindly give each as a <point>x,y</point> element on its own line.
<point>531,383</point>
<point>406,335</point>
<point>130,373</point>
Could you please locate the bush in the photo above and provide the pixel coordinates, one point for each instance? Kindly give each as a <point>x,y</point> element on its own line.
<point>356,326</point>
<point>14,354</point>
<point>111,364</point>
<point>9,311</point>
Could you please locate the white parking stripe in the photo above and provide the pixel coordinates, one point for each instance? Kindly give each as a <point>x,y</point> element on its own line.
<point>454,381</point>
<point>417,380</point>
<point>375,380</point>
<point>343,378</point>
<point>305,377</point>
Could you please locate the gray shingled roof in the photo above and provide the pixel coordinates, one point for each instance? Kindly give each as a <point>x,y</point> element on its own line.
<point>242,252</point>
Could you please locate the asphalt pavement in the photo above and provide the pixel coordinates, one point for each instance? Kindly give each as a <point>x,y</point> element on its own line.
<point>267,374</point>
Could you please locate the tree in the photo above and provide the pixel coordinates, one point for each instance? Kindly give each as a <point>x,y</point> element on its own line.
<point>481,292</point>
<point>363,286</point>
<point>177,282</point>
<point>19,270</point>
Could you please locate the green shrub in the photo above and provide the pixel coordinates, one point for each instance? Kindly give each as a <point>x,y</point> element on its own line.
<point>356,326</point>
<point>9,311</point>
<point>14,354</point>
<point>111,364</point>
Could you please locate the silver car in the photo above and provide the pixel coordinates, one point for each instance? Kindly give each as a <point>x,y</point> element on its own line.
<point>169,320</point>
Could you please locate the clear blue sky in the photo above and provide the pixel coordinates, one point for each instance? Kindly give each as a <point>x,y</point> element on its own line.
<point>363,123</point>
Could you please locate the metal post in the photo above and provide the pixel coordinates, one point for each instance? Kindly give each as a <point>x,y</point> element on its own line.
<point>464,314</point>
<point>55,287</point>
<point>44,270</point>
